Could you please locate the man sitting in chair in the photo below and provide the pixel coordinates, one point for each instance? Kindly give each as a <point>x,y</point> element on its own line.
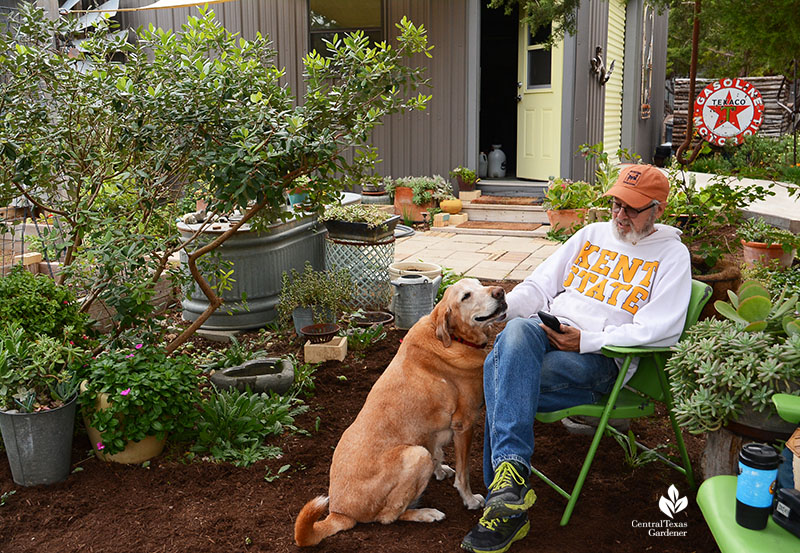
<point>626,282</point>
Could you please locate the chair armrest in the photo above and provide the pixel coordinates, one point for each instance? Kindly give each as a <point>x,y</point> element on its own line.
<point>788,407</point>
<point>622,351</point>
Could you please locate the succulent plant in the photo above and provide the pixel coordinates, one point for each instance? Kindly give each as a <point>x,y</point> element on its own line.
<point>753,308</point>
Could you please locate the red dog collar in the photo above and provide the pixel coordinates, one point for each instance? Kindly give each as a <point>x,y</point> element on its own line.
<point>465,342</point>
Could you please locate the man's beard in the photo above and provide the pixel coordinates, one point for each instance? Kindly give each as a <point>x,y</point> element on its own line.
<point>633,236</point>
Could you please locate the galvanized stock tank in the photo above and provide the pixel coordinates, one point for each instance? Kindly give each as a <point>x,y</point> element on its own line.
<point>258,261</point>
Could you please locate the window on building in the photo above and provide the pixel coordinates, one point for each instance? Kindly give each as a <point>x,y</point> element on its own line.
<point>328,17</point>
<point>539,58</point>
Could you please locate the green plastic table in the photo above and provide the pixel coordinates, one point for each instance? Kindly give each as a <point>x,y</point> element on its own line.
<point>717,499</point>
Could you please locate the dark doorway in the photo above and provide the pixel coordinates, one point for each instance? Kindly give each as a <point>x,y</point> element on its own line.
<point>498,117</point>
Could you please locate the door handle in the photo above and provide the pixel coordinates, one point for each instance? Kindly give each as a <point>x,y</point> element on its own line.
<point>519,98</point>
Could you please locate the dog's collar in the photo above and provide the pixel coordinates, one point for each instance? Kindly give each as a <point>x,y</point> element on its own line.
<point>468,343</point>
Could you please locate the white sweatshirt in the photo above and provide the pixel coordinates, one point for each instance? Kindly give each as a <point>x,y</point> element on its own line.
<point>615,292</point>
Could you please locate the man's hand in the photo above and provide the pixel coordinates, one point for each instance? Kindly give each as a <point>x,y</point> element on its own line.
<point>568,340</point>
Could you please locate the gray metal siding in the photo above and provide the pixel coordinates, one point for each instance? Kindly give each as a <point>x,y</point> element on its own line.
<point>424,143</point>
<point>589,96</point>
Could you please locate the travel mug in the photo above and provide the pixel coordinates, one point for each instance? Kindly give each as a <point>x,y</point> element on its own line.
<point>755,486</point>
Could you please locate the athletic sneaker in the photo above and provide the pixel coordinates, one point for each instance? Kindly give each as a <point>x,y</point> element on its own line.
<point>509,493</point>
<point>496,535</point>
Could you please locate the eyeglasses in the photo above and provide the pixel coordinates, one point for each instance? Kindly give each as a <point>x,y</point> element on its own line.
<point>631,212</point>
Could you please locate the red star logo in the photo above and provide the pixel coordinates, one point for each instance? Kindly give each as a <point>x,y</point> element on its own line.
<point>728,113</point>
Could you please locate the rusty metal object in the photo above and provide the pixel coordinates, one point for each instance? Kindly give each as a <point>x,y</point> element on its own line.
<point>687,141</point>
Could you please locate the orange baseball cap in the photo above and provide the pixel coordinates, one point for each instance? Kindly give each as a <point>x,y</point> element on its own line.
<point>638,185</point>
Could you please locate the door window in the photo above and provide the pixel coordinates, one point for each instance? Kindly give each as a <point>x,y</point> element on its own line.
<point>539,62</point>
<point>328,17</point>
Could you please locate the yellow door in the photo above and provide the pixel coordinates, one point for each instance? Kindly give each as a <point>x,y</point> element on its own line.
<point>539,109</point>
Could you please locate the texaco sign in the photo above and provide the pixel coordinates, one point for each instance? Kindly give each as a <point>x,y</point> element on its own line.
<point>728,110</point>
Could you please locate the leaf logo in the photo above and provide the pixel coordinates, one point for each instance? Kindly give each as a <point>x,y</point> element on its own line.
<point>675,504</point>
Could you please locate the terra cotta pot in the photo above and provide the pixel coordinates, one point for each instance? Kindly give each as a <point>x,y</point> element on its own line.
<point>761,253</point>
<point>566,219</point>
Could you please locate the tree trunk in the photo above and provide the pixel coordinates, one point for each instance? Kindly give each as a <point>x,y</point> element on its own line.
<point>721,454</point>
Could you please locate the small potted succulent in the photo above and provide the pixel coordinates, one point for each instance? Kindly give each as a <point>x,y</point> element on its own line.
<point>465,178</point>
<point>132,397</point>
<point>763,243</point>
<point>567,203</point>
<point>313,296</point>
<point>359,223</point>
<point>37,403</point>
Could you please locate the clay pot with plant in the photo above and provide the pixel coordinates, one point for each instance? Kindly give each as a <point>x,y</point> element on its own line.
<point>763,243</point>
<point>133,397</point>
<point>465,178</point>
<point>567,203</point>
<point>414,195</point>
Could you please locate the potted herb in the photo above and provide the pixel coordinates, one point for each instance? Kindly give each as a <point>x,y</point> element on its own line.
<point>414,195</point>
<point>724,372</point>
<point>298,191</point>
<point>762,243</point>
<point>37,403</point>
<point>313,296</point>
<point>359,223</point>
<point>466,179</point>
<point>132,397</point>
<point>567,203</point>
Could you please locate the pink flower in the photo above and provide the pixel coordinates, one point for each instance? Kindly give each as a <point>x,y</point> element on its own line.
<point>125,392</point>
<point>100,446</point>
<point>138,346</point>
<point>65,302</point>
<point>71,343</point>
<point>129,355</point>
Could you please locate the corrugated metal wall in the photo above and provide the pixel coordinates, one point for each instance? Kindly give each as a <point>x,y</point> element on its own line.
<point>589,98</point>
<point>615,50</point>
<point>426,143</point>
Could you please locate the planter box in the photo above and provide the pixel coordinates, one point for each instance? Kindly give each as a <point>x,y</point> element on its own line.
<point>361,232</point>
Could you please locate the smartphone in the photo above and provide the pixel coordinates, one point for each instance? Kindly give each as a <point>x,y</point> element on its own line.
<point>550,321</point>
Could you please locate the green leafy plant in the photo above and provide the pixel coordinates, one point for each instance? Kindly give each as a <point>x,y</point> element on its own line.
<point>148,393</point>
<point>325,290</point>
<point>449,277</point>
<point>753,309</point>
<point>635,456</point>
<point>701,213</point>
<point>5,496</point>
<point>359,339</point>
<point>466,177</point>
<point>606,172</point>
<point>40,305</point>
<point>271,477</point>
<point>567,194</point>
<point>777,280</point>
<point>758,230</point>
<point>372,215</point>
<point>233,426</point>
<point>37,372</point>
<point>233,356</point>
<point>303,384</point>
<point>723,369</point>
<point>426,189</point>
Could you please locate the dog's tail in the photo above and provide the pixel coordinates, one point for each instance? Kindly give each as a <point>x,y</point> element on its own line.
<point>309,530</point>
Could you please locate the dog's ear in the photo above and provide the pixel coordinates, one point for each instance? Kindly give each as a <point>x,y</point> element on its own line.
<point>441,319</point>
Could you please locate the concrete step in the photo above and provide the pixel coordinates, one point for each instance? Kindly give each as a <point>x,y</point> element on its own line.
<point>540,232</point>
<point>512,187</point>
<point>505,213</point>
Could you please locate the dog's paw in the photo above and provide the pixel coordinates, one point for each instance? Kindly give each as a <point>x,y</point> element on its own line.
<point>443,471</point>
<point>474,501</point>
<point>430,515</point>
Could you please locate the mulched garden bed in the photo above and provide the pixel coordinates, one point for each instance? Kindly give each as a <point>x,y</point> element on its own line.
<point>174,505</point>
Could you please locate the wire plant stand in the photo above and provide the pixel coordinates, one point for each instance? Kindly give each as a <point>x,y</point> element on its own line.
<point>368,263</point>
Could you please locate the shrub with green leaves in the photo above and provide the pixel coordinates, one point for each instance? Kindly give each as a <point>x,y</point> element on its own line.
<point>233,425</point>
<point>567,194</point>
<point>149,394</point>
<point>40,305</point>
<point>776,279</point>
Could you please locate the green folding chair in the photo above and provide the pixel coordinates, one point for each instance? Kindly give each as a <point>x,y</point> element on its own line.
<point>636,399</point>
<point>717,500</point>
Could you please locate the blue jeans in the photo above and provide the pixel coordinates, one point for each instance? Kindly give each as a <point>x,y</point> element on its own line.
<point>523,375</point>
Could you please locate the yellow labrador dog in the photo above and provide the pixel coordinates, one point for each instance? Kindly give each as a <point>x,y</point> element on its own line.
<point>430,393</point>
